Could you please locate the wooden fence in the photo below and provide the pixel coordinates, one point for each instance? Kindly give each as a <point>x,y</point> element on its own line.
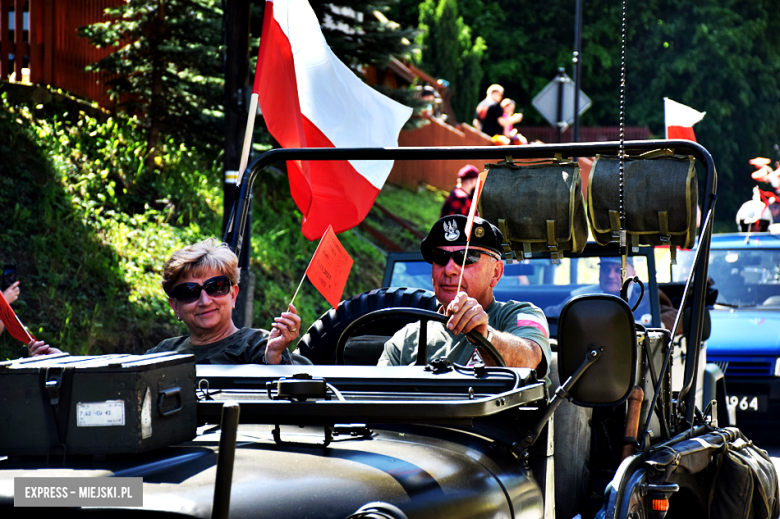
<point>443,173</point>
<point>48,44</point>
<point>440,173</point>
<point>590,134</point>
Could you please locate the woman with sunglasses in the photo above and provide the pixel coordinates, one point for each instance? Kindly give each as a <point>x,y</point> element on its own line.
<point>201,282</point>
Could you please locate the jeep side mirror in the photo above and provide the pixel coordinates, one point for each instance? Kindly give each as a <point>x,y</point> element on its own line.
<point>597,356</point>
<point>605,323</point>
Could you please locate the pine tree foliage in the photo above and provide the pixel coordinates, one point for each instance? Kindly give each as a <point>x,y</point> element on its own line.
<point>447,52</point>
<point>167,68</point>
<point>357,36</point>
<point>359,33</point>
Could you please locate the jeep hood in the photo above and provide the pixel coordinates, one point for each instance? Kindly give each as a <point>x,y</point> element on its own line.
<point>744,331</point>
<point>424,476</point>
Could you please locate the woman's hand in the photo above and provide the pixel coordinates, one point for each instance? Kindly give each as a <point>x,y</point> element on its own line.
<point>38,348</point>
<point>11,293</point>
<point>285,330</point>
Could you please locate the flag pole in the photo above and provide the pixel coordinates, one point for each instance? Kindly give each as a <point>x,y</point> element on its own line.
<point>307,268</point>
<point>250,128</point>
<point>463,266</point>
<point>469,225</point>
<point>297,289</point>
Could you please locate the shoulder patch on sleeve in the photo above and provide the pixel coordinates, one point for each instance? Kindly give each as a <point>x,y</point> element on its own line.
<point>532,320</point>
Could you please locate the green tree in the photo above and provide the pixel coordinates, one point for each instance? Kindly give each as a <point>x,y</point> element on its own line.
<point>448,52</point>
<point>722,57</point>
<point>358,36</point>
<point>167,67</point>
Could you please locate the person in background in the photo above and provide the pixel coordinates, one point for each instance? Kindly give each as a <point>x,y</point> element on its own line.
<point>201,282</point>
<point>610,283</point>
<point>428,94</point>
<point>774,208</point>
<point>510,132</point>
<point>489,112</point>
<point>459,199</point>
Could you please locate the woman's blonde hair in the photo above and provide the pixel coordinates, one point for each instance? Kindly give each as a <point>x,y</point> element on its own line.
<point>200,257</point>
<point>495,88</point>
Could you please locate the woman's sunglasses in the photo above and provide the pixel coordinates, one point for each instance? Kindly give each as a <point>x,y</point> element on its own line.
<point>442,257</point>
<point>186,293</point>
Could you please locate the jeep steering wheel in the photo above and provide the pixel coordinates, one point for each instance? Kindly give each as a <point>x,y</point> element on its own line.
<point>421,315</point>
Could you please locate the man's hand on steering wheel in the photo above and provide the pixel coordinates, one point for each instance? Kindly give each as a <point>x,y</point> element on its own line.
<point>466,314</point>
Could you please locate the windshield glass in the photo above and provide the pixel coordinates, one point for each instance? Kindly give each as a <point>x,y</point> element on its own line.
<point>544,284</point>
<point>746,277</point>
<point>666,272</point>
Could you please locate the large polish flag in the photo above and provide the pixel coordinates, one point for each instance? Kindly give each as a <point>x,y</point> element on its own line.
<point>680,120</point>
<point>310,99</point>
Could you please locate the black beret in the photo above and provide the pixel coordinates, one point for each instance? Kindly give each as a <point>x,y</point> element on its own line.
<point>450,230</point>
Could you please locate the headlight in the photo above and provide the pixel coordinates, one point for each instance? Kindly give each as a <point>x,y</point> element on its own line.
<point>777,367</point>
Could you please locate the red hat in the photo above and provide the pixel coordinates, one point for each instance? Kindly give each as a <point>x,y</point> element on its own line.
<point>467,172</point>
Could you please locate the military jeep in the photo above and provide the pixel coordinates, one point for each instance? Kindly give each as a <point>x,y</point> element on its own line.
<point>343,438</point>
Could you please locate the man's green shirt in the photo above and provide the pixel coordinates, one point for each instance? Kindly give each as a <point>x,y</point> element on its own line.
<point>522,320</point>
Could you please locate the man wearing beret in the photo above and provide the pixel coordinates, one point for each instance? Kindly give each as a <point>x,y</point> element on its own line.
<point>459,199</point>
<point>610,282</point>
<point>517,330</point>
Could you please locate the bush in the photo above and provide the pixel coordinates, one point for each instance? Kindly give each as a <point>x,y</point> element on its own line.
<point>89,227</point>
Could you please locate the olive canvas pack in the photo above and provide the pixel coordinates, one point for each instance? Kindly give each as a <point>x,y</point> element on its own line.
<point>537,207</point>
<point>660,195</point>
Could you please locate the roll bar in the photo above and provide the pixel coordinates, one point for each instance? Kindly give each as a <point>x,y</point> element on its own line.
<point>239,214</point>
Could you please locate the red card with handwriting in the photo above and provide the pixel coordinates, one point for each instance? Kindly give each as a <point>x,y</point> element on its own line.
<point>12,322</point>
<point>329,267</point>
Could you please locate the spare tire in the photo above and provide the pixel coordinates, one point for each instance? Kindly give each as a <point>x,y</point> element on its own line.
<point>319,342</point>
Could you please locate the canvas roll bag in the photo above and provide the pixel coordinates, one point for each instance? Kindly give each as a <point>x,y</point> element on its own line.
<point>537,207</point>
<point>660,199</point>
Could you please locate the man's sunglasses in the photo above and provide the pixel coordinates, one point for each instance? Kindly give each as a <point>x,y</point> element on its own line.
<point>442,257</point>
<point>186,293</point>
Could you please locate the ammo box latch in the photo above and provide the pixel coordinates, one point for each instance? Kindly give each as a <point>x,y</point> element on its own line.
<point>53,383</point>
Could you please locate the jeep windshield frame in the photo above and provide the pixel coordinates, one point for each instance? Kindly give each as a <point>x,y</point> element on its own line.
<point>543,288</point>
<point>368,394</point>
<point>696,284</point>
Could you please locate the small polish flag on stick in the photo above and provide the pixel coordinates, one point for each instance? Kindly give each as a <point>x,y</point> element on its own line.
<point>680,120</point>
<point>329,268</point>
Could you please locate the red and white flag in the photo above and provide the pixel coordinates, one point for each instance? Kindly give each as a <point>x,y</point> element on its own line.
<point>310,99</point>
<point>680,120</point>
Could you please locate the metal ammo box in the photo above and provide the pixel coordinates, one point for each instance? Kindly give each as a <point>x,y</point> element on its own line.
<point>96,405</point>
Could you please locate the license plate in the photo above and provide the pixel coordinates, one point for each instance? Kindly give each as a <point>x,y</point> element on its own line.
<point>749,403</point>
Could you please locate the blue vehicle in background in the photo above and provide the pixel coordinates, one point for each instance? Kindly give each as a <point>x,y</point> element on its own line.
<point>745,337</point>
